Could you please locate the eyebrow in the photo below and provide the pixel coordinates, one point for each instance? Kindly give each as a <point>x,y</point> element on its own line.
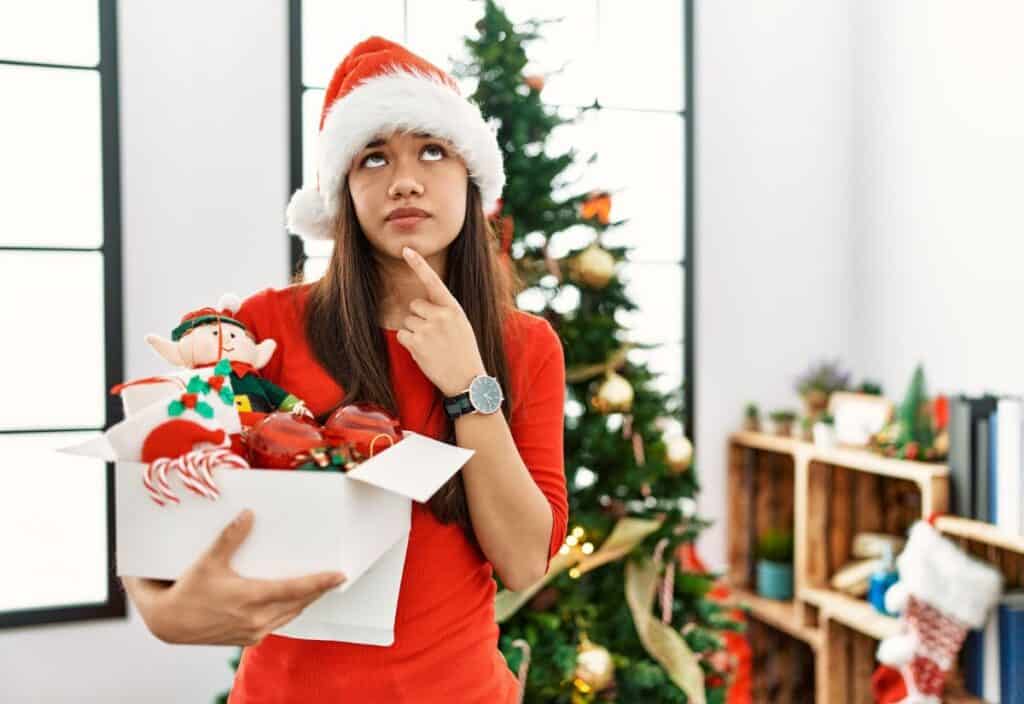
<point>380,142</point>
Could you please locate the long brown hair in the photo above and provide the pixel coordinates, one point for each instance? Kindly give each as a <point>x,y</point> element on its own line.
<point>343,332</point>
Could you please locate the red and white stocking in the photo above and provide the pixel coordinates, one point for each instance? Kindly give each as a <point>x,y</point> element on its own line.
<point>941,593</point>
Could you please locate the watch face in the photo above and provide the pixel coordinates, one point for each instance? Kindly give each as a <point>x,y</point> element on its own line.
<point>485,394</point>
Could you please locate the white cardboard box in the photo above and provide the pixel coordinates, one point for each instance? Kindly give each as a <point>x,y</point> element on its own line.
<point>304,522</point>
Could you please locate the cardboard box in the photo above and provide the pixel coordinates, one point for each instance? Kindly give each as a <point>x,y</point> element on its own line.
<point>304,522</point>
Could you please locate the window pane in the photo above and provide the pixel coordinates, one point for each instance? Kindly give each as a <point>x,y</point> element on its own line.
<point>60,501</point>
<point>330,29</point>
<point>50,129</point>
<point>50,31</point>
<point>57,376</point>
<point>312,102</point>
<point>667,359</point>
<point>640,159</point>
<point>582,135</point>
<point>571,43</point>
<point>642,54</point>
<point>437,29</point>
<point>658,291</point>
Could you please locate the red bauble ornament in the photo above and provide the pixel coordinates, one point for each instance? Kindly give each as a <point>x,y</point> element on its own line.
<point>365,427</point>
<point>277,440</point>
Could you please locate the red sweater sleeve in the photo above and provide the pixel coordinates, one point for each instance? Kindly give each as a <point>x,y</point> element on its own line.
<point>538,424</point>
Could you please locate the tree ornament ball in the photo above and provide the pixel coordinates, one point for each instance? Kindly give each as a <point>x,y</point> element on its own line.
<point>678,453</point>
<point>593,267</point>
<point>535,82</point>
<point>279,439</point>
<point>595,669</point>
<point>363,427</point>
<point>614,395</point>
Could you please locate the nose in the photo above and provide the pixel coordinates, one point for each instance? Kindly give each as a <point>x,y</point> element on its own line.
<point>405,181</point>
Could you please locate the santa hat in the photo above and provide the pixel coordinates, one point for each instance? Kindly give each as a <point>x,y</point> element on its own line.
<point>226,308</point>
<point>379,87</point>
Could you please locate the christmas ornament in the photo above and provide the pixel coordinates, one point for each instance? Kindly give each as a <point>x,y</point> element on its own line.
<point>614,395</point>
<point>597,206</point>
<point>366,428</point>
<point>281,439</point>
<point>595,669</point>
<point>941,593</point>
<point>593,267</point>
<point>379,87</point>
<point>678,453</point>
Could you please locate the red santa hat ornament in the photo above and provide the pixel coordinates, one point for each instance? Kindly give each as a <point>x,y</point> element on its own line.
<point>381,87</point>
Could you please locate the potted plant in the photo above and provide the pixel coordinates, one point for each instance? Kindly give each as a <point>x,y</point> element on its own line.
<point>775,565</point>
<point>825,431</point>
<point>752,418</point>
<point>783,420</point>
<point>817,384</point>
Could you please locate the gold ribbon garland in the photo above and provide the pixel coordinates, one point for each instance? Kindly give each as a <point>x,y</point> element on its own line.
<point>660,640</point>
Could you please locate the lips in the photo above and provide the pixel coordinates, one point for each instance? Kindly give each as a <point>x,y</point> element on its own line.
<point>407,214</point>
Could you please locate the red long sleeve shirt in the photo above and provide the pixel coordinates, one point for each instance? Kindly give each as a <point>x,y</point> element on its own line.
<point>445,647</point>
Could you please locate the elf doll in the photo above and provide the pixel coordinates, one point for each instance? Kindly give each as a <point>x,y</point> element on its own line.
<point>206,336</point>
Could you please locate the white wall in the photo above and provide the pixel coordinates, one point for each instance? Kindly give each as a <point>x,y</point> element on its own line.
<point>938,192</point>
<point>204,108</point>
<point>773,166</point>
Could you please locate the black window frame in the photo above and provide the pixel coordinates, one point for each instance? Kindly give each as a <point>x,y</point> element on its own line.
<point>115,606</point>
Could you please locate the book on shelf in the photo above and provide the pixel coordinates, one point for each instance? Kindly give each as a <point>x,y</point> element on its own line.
<point>1011,648</point>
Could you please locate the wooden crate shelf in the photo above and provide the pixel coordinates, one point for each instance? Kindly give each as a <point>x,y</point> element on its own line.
<point>826,496</point>
<point>855,614</point>
<point>783,615</point>
<point>979,532</point>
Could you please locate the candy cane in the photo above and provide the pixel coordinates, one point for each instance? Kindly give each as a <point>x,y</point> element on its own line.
<point>150,488</point>
<point>160,466</point>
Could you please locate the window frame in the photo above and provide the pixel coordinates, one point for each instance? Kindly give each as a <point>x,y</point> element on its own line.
<point>297,255</point>
<point>115,606</point>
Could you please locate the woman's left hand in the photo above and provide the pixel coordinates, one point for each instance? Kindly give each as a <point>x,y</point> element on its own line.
<point>438,334</point>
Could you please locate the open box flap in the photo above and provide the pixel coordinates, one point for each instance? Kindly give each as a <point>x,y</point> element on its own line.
<point>416,467</point>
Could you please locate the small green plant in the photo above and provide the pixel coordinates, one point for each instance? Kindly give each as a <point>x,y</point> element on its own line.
<point>871,388</point>
<point>775,546</point>
<point>783,415</point>
<point>751,411</point>
<point>827,419</point>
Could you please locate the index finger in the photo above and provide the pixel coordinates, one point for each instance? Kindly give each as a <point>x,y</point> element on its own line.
<point>295,588</point>
<point>436,289</point>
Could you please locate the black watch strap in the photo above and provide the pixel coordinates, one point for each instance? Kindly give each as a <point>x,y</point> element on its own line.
<point>458,405</point>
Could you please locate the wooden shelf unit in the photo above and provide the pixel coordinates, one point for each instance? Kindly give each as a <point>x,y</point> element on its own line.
<point>825,496</point>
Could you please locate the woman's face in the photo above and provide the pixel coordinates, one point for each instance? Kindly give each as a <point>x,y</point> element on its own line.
<point>409,170</point>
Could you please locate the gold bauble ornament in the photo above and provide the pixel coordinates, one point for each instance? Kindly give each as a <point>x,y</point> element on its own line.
<point>678,453</point>
<point>595,669</point>
<point>614,395</point>
<point>593,267</point>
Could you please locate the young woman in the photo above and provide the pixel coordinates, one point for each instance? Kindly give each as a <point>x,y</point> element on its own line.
<point>413,311</point>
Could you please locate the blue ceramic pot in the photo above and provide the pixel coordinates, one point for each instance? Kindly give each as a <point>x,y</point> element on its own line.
<point>775,579</point>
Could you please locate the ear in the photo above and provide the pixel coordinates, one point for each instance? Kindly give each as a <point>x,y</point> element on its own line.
<point>166,349</point>
<point>264,351</point>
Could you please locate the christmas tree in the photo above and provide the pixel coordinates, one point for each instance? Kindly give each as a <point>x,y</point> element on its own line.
<point>621,614</point>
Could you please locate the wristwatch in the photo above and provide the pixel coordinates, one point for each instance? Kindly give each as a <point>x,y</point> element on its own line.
<point>483,396</point>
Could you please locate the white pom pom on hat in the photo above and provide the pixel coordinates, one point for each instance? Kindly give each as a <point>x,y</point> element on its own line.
<point>382,86</point>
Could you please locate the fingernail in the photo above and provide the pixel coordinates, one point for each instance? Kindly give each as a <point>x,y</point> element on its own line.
<point>407,252</point>
<point>243,517</point>
<point>337,579</point>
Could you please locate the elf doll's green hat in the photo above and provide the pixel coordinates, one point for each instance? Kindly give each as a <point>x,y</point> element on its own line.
<point>226,308</point>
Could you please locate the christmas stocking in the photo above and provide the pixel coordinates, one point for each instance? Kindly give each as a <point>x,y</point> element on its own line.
<point>941,593</point>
